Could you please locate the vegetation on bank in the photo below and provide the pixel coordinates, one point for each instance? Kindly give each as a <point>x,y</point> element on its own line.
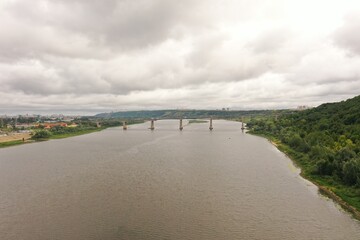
<point>11,143</point>
<point>80,126</point>
<point>197,121</point>
<point>62,132</point>
<point>186,114</point>
<point>84,126</point>
<point>324,142</point>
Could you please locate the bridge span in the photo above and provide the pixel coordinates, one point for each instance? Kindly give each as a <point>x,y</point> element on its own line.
<point>181,126</point>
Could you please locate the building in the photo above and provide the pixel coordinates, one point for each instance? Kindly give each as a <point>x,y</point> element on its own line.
<point>302,107</point>
<point>51,125</point>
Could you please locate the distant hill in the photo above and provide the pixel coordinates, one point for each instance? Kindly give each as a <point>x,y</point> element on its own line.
<point>174,114</point>
<point>331,115</point>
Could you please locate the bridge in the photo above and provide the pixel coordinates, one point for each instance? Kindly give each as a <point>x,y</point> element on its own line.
<point>181,127</point>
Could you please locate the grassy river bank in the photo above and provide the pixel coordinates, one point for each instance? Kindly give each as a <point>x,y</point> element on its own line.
<point>60,133</point>
<point>53,136</point>
<point>346,196</point>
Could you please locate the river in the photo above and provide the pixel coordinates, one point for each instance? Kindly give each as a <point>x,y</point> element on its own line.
<point>162,184</point>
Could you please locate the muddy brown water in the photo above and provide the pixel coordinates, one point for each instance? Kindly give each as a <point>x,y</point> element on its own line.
<point>162,184</point>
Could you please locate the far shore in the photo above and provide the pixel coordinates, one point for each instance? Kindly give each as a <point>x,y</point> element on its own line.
<point>10,141</point>
<point>24,138</point>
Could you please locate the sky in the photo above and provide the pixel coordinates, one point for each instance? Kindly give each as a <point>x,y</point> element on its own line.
<point>91,56</point>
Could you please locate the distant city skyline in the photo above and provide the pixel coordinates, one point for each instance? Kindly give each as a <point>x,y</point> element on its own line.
<point>84,112</point>
<point>66,57</point>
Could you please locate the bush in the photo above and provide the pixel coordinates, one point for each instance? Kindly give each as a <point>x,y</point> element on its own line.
<point>298,144</point>
<point>41,134</point>
<point>324,167</point>
<point>351,171</point>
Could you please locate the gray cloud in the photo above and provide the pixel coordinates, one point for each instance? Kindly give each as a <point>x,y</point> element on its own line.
<point>271,41</point>
<point>118,25</point>
<point>348,35</point>
<point>98,55</point>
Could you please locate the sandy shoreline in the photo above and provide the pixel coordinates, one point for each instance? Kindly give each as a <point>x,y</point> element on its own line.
<point>14,137</point>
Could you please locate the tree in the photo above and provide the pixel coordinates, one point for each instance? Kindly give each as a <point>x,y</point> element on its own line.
<point>345,154</point>
<point>298,143</point>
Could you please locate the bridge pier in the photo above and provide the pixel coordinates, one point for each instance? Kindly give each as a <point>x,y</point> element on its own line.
<point>181,124</point>
<point>124,125</point>
<point>152,124</point>
<point>211,125</point>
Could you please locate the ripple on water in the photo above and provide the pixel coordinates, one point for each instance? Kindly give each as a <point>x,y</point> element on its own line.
<point>162,184</point>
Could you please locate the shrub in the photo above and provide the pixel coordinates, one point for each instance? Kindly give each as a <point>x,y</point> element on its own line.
<point>41,134</point>
<point>351,171</point>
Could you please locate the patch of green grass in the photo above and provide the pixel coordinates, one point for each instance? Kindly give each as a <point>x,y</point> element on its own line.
<point>197,121</point>
<point>349,195</point>
<point>73,134</point>
<point>11,143</point>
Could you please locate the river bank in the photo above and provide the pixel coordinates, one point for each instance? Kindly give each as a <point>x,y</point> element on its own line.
<point>15,139</point>
<point>25,140</point>
<point>14,136</point>
<point>326,188</point>
<point>14,142</point>
<point>22,139</point>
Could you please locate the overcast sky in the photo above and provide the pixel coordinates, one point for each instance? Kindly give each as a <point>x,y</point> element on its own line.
<point>87,56</point>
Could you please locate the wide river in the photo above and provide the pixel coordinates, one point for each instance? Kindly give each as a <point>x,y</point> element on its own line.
<point>162,184</point>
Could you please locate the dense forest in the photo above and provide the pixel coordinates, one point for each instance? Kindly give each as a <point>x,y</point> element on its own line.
<point>324,141</point>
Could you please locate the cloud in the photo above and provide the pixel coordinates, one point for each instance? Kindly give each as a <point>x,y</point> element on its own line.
<point>348,35</point>
<point>271,41</point>
<point>89,56</point>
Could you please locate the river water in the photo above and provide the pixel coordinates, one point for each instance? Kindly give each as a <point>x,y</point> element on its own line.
<point>162,184</point>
